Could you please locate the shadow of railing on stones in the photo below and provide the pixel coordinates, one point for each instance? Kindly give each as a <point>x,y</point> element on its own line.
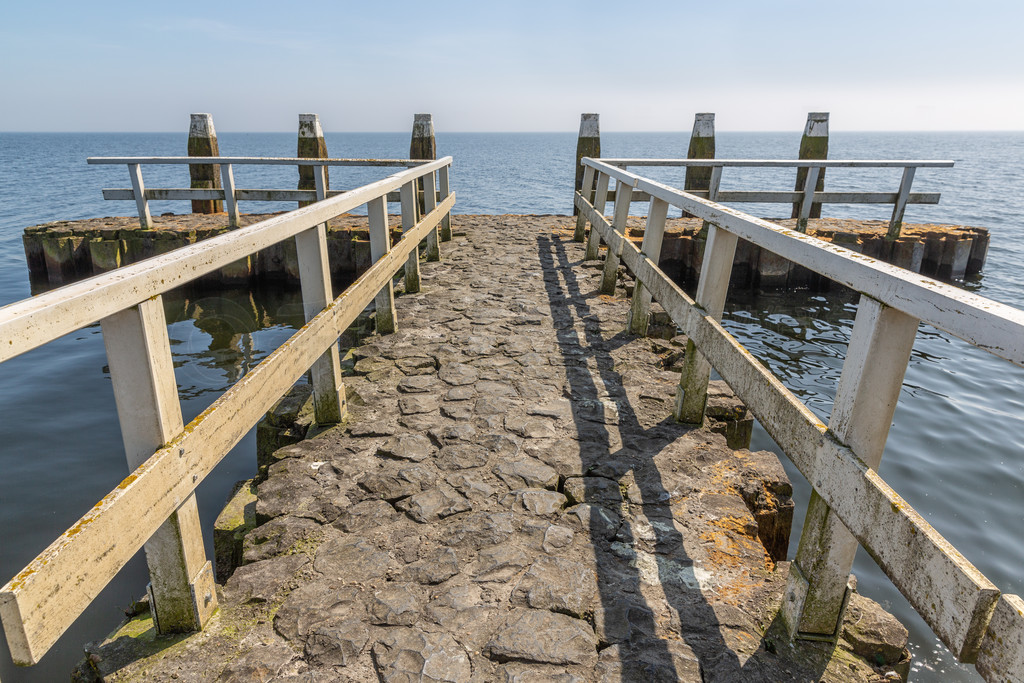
<point>625,617</point>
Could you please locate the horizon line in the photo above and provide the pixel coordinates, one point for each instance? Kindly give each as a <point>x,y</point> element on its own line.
<point>499,132</point>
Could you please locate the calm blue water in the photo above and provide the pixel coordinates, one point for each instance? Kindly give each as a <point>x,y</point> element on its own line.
<point>954,451</point>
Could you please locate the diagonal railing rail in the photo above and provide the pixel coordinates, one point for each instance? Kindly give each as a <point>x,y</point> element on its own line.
<point>155,505</point>
<point>850,503</point>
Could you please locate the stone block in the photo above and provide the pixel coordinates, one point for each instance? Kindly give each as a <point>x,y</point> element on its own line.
<point>236,520</point>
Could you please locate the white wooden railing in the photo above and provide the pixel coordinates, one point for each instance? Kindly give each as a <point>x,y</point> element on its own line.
<point>964,609</point>
<point>231,194</point>
<point>155,505</point>
<point>802,200</point>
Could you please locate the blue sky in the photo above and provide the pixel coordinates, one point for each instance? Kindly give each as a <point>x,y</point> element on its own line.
<point>516,66</point>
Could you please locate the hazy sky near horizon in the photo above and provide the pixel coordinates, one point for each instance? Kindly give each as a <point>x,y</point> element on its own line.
<point>517,66</point>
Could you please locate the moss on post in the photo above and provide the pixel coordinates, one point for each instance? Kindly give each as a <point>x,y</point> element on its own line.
<point>311,145</point>
<point>588,145</point>
<point>702,146</point>
<point>202,142</point>
<point>813,145</point>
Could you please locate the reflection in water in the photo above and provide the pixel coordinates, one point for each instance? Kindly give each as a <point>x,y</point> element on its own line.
<point>212,333</point>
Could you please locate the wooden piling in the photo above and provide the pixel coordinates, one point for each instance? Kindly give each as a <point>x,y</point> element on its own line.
<point>813,145</point>
<point>702,146</point>
<point>311,145</point>
<point>422,146</point>
<point>588,145</point>
<point>202,142</point>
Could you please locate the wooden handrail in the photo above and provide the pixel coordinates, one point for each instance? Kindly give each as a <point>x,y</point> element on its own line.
<point>964,609</point>
<point>168,460</point>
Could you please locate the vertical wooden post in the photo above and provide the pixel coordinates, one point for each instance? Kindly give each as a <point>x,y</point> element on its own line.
<point>380,244</point>
<point>202,142</point>
<point>311,145</point>
<point>430,203</point>
<point>600,198</point>
<point>587,145</point>
<point>230,205</point>
<point>587,190</point>
<point>422,146</point>
<point>141,203</point>
<point>702,146</point>
<point>813,145</point>
<point>896,222</point>
<point>692,393</point>
<point>876,360</point>
<point>654,232</point>
<point>409,220</point>
<point>806,201</point>
<point>142,373</point>
<point>623,197</point>
<point>329,400</point>
<point>444,180</point>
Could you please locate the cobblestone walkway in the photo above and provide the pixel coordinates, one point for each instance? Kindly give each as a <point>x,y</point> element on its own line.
<point>510,501</point>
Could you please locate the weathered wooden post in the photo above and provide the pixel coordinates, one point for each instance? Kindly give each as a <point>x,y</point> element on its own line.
<point>813,145</point>
<point>876,360</point>
<point>202,142</point>
<point>623,197</point>
<point>181,590</point>
<point>422,146</point>
<point>654,233</point>
<point>702,146</point>
<point>380,245</point>
<point>311,145</point>
<point>410,217</point>
<point>588,145</point>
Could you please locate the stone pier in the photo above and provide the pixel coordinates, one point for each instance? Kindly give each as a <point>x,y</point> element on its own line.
<point>509,500</point>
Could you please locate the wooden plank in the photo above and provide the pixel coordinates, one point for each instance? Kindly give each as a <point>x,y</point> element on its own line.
<point>654,233</point>
<point>611,259</point>
<point>900,206</point>
<point>1001,657</point>
<point>380,244</point>
<point>862,412</point>
<point>989,325</point>
<point>444,189</point>
<point>230,203</point>
<point>587,188</point>
<point>807,198</point>
<point>429,202</point>
<point>788,197</point>
<point>241,194</point>
<point>139,194</point>
<point>261,161</point>
<point>600,197</point>
<point>40,602</point>
<point>29,323</point>
<point>410,207</point>
<point>785,163</point>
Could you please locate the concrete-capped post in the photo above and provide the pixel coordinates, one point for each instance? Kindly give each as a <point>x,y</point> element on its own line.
<point>311,145</point>
<point>702,146</point>
<point>422,146</point>
<point>588,145</point>
<point>202,142</point>
<point>813,145</point>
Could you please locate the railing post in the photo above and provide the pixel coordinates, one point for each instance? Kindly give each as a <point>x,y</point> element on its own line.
<point>702,146</point>
<point>600,199</point>
<point>311,145</point>
<point>410,216</point>
<point>202,142</point>
<point>587,145</point>
<point>813,145</point>
<point>896,222</point>
<point>587,190</point>
<point>230,205</point>
<point>806,202</point>
<point>182,594</point>
<point>329,399</point>
<point>692,393</point>
<point>876,360</point>
<point>654,232</point>
<point>429,204</point>
<point>139,188</point>
<point>623,197</point>
<point>444,180</point>
<point>422,145</point>
<point>380,244</point>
